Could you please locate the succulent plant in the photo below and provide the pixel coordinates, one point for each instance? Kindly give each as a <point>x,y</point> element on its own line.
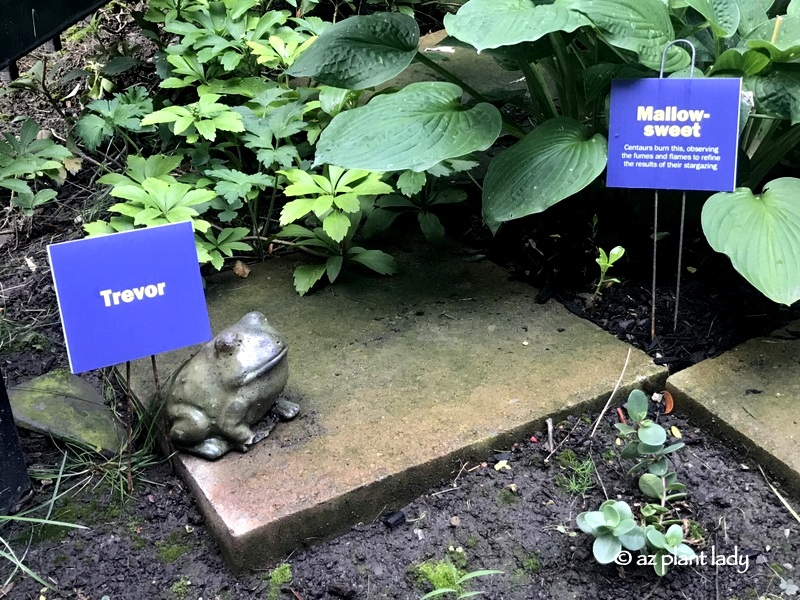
<point>613,527</point>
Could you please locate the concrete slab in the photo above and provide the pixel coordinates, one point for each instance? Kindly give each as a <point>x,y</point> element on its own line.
<point>750,394</point>
<point>398,379</point>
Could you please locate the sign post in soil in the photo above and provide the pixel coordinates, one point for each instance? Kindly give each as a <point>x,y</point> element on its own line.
<point>14,482</point>
<point>129,295</point>
<point>673,134</point>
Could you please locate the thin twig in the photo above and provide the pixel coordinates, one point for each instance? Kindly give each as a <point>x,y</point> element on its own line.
<point>566,437</point>
<point>611,397</point>
<point>781,498</point>
<point>550,436</point>
<point>599,479</point>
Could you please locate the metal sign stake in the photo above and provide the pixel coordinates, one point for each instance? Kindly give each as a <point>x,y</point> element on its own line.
<point>655,216</point>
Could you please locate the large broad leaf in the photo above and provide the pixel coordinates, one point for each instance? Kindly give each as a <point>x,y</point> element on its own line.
<point>761,235</point>
<point>494,23</point>
<point>785,47</point>
<point>778,92</point>
<point>722,15</point>
<point>360,52</point>
<point>751,15</point>
<point>641,26</point>
<point>415,128</point>
<point>554,161</point>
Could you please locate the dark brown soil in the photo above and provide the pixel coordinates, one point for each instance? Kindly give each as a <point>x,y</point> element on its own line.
<point>519,521</point>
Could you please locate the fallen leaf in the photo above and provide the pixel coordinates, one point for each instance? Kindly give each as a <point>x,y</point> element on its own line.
<point>676,433</point>
<point>241,269</point>
<point>501,465</point>
<point>31,265</point>
<point>73,165</point>
<point>512,487</point>
<point>669,403</point>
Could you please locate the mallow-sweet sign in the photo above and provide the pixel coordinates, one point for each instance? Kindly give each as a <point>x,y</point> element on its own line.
<point>674,134</point>
<point>129,295</point>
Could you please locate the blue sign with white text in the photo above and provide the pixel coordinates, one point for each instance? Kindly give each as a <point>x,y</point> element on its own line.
<point>674,134</point>
<point>129,295</point>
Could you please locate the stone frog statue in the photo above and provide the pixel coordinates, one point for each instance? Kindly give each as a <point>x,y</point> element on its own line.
<point>214,400</point>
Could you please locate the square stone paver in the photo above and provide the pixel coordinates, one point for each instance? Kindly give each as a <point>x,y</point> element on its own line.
<point>399,379</point>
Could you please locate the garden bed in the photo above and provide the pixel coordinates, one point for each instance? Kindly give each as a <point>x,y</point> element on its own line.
<point>520,520</point>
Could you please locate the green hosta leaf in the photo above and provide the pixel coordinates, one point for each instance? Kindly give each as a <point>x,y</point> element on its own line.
<point>786,47</point>
<point>750,62</point>
<point>778,92</point>
<point>336,225</point>
<point>378,261</point>
<point>722,15</point>
<point>751,15</point>
<point>415,128</point>
<point>652,434</point>
<point>761,236</point>
<point>360,52</point>
<point>641,26</point>
<point>606,548</point>
<point>306,276</point>
<point>651,485</point>
<point>494,23</point>
<point>557,159</point>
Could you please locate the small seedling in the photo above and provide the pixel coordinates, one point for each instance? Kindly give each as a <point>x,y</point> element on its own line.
<point>280,575</point>
<point>446,579</point>
<point>579,473</point>
<point>606,261</point>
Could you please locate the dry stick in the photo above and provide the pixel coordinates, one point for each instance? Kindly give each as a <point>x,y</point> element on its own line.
<point>566,437</point>
<point>781,498</point>
<point>611,397</point>
<point>550,437</point>
<point>599,479</point>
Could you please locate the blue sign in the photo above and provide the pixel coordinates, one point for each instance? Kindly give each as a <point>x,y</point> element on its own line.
<point>129,295</point>
<point>674,134</point>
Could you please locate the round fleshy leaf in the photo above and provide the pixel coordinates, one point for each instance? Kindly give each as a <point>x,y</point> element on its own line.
<point>415,128</point>
<point>591,522</point>
<point>637,405</point>
<point>652,434</point>
<point>557,159</point>
<point>761,236</point>
<point>360,52</point>
<point>633,539</point>
<point>606,548</point>
<point>487,24</point>
<point>651,486</point>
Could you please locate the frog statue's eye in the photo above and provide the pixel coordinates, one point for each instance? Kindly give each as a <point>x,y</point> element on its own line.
<point>226,343</point>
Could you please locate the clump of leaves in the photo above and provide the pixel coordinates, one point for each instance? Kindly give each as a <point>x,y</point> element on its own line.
<point>26,159</point>
<point>577,476</point>
<point>120,116</point>
<point>337,254</point>
<point>447,579</point>
<point>613,528</point>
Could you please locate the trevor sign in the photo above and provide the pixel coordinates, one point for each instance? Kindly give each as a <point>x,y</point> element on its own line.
<point>674,134</point>
<point>129,295</point>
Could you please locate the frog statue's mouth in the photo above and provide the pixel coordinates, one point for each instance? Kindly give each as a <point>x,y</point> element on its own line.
<point>260,369</point>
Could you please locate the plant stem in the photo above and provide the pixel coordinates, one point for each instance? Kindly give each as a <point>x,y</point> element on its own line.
<point>538,89</point>
<point>569,101</point>
<point>508,127</point>
<point>434,66</point>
